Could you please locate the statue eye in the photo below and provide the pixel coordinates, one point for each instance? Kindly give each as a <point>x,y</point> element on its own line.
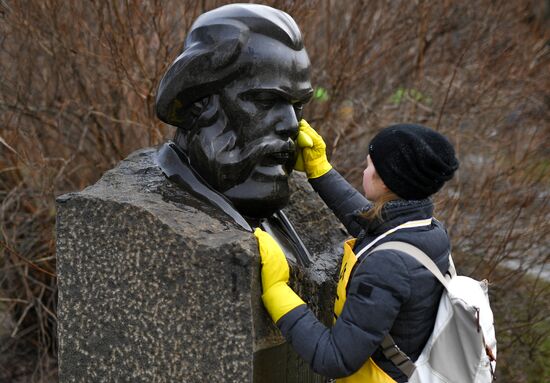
<point>265,103</point>
<point>265,100</point>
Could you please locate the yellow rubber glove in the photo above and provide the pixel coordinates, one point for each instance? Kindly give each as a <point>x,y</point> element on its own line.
<point>314,156</point>
<point>302,141</point>
<point>277,296</point>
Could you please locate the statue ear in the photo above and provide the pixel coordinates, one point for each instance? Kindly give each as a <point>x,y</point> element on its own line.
<point>187,117</point>
<point>197,107</point>
<point>209,111</point>
<point>189,120</point>
<point>199,114</point>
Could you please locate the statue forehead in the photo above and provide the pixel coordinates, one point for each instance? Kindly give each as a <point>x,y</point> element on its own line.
<point>269,64</point>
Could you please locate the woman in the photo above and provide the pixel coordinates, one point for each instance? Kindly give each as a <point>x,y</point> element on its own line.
<point>384,292</point>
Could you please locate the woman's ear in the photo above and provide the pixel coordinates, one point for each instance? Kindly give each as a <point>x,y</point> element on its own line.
<point>384,187</point>
<point>378,179</point>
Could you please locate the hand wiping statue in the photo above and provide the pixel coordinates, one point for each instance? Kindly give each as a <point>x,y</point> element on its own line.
<point>236,95</point>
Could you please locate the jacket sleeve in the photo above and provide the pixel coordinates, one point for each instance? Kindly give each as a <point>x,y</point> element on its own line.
<point>379,287</point>
<point>342,198</point>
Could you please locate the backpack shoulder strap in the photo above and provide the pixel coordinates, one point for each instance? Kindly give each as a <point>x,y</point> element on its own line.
<point>417,254</point>
<point>389,348</point>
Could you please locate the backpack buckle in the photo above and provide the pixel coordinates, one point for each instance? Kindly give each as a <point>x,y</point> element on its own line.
<point>399,358</point>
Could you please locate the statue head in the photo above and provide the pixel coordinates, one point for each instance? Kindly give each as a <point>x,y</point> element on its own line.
<point>236,95</point>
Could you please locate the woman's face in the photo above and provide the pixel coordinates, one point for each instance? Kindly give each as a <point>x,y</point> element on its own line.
<point>373,185</point>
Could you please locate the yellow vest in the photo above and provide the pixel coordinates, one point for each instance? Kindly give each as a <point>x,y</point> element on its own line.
<point>369,372</point>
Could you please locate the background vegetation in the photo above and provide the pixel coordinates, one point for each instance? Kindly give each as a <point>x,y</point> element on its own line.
<point>77,89</point>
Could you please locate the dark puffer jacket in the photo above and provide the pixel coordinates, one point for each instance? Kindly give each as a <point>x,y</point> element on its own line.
<point>388,292</point>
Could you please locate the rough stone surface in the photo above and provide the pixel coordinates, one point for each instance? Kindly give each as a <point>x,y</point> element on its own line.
<point>157,286</point>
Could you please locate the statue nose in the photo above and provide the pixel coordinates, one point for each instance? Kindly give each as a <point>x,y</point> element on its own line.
<point>287,126</point>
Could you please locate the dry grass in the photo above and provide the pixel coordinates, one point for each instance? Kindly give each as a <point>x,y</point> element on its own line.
<point>77,87</point>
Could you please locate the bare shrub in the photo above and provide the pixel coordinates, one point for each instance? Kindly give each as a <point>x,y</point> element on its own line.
<point>77,88</point>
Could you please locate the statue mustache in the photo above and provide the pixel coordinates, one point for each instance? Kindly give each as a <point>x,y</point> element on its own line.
<point>237,163</point>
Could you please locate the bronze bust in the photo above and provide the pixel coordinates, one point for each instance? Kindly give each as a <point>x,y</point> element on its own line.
<point>236,94</point>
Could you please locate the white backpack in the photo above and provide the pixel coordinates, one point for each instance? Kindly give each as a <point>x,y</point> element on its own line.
<point>462,347</point>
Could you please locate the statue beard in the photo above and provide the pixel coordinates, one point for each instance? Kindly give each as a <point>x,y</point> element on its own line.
<point>214,151</point>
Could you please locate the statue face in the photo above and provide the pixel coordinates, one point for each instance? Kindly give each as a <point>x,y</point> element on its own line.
<point>250,155</point>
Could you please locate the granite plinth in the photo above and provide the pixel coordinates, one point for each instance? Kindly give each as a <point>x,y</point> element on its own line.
<point>157,286</point>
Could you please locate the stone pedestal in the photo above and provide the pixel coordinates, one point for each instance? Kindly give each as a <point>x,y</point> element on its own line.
<point>157,286</point>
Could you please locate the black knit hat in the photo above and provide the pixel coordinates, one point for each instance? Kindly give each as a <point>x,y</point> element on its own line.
<point>413,161</point>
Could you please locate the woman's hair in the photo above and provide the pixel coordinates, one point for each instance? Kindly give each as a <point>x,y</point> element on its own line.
<point>375,212</point>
